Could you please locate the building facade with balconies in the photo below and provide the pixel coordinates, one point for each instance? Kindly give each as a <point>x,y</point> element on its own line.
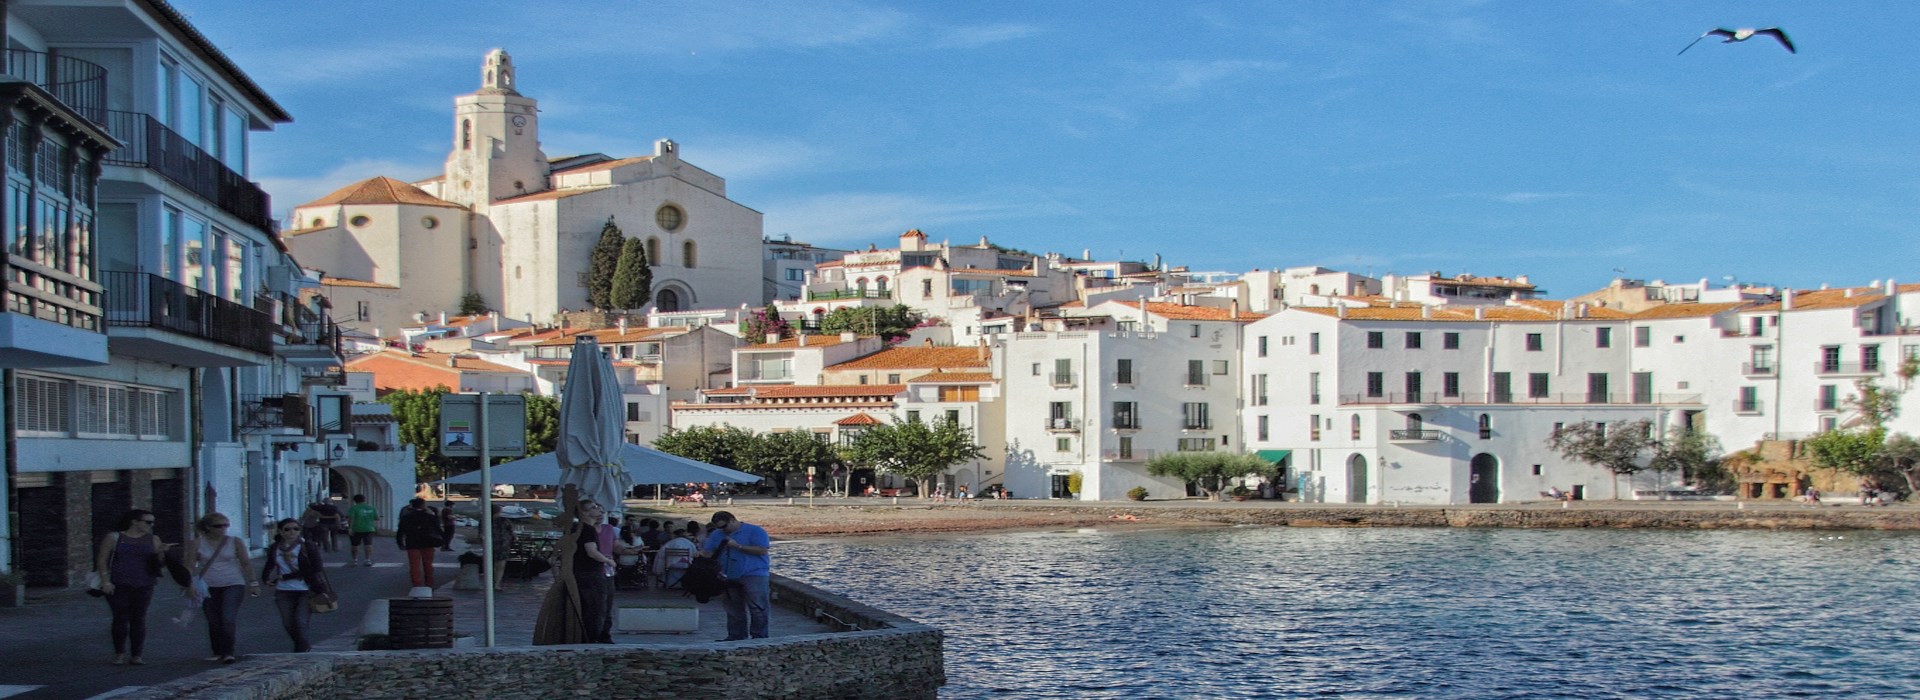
<point>197,300</point>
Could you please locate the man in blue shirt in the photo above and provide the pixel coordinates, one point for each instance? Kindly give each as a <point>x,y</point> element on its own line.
<point>742,550</point>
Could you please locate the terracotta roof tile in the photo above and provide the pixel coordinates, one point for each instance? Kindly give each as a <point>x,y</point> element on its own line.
<point>1183,312</point>
<point>944,377</point>
<point>609,336</point>
<point>917,358</point>
<point>826,391</point>
<point>859,419</point>
<point>1812,299</point>
<point>398,369</point>
<point>380,190</point>
<point>1690,310</point>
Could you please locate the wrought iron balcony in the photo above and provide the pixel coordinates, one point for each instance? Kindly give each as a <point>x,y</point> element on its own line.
<point>1126,422</point>
<point>1759,369</point>
<point>1062,379</point>
<point>836,294</point>
<point>1063,425</point>
<point>150,144</point>
<point>1751,407</point>
<point>82,85</point>
<point>1834,368</point>
<point>142,299</point>
<point>1128,455</point>
<point>1196,424</point>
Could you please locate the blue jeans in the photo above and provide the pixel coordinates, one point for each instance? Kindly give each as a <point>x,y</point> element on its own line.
<point>222,607</point>
<point>294,615</point>
<point>749,600</point>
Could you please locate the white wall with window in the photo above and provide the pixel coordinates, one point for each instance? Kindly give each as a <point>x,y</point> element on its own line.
<point>131,414</point>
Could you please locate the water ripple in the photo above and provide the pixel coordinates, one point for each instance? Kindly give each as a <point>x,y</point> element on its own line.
<point>1390,613</point>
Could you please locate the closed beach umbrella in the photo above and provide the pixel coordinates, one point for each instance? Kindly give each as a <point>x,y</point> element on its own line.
<point>592,428</point>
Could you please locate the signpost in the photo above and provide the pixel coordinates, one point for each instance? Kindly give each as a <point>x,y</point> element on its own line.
<point>487,426</point>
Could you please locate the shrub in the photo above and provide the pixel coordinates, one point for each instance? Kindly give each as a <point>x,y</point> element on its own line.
<point>1138,493</point>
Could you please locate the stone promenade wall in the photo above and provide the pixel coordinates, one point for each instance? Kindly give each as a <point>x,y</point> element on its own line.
<point>881,656</point>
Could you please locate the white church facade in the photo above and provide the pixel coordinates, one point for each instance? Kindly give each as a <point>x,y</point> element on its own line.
<point>522,227</point>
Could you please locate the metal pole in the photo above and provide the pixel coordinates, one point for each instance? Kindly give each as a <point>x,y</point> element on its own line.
<point>486,520</point>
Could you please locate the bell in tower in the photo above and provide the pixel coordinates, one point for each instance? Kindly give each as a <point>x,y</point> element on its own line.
<point>496,74</point>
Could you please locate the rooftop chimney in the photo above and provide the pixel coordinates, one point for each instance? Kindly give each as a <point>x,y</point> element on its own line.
<point>773,337</point>
<point>980,350</point>
<point>1340,310</point>
<point>847,336</point>
<point>1892,288</point>
<point>803,339</point>
<point>443,318</point>
<point>1426,311</point>
<point>1479,313</point>
<point>623,325</point>
<point>1786,300</point>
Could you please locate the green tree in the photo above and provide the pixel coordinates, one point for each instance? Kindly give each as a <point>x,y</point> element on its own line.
<point>603,264</point>
<point>1695,454</point>
<point>543,424</point>
<point>632,277</point>
<point>1209,470</point>
<point>1867,449</point>
<point>781,456</point>
<point>914,450</point>
<point>417,414</point>
<point>473,304</point>
<point>720,445</point>
<point>891,323</point>
<point>1617,447</point>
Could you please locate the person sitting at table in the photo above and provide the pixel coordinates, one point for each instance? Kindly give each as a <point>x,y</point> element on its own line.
<point>671,562</point>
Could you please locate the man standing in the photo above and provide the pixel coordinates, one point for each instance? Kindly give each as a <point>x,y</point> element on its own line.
<point>419,534</point>
<point>330,522</point>
<point>743,551</point>
<point>362,520</point>
<point>446,525</point>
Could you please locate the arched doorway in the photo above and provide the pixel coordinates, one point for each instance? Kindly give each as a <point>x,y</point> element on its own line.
<point>1484,479</point>
<point>348,481</point>
<point>666,300</point>
<point>1356,479</point>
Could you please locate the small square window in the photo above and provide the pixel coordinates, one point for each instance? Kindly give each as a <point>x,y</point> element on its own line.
<point>1220,367</point>
<point>1536,342</point>
<point>1194,331</point>
<point>1536,470</point>
<point>1376,340</point>
<point>1413,340</point>
<point>1063,444</point>
<point>1036,369</point>
<point>1450,341</point>
<point>1678,339</point>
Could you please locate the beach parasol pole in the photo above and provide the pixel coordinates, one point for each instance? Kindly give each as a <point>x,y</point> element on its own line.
<point>486,521</point>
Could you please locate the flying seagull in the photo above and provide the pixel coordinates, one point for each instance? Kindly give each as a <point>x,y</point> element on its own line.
<point>1734,35</point>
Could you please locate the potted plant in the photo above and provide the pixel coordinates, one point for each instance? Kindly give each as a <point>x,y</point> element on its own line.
<point>1137,493</point>
<point>1241,492</point>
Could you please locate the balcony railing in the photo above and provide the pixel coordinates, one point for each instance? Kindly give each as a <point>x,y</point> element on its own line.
<point>1128,379</point>
<point>1063,425</point>
<point>1126,423</point>
<point>1062,379</point>
<point>1826,404</point>
<point>1201,424</point>
<point>142,299</point>
<point>1765,369</point>
<point>1740,406</point>
<point>1413,435</point>
<point>1830,368</point>
<point>1128,455</point>
<point>834,294</point>
<point>150,144</point>
<point>82,85</point>
<point>1621,399</point>
<point>275,411</point>
<point>47,294</point>
<point>322,335</point>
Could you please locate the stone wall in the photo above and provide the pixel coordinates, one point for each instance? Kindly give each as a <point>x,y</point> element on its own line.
<point>881,656</point>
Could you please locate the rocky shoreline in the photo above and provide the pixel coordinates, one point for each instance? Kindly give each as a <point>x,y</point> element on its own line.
<point>913,516</point>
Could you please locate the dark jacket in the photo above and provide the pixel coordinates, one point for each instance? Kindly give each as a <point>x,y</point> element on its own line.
<point>311,569</point>
<point>419,529</point>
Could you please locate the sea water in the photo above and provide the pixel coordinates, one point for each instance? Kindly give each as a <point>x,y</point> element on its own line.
<point>1260,612</point>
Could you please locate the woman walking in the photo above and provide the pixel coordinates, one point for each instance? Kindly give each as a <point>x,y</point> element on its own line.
<point>129,566</point>
<point>295,571</point>
<point>220,561</point>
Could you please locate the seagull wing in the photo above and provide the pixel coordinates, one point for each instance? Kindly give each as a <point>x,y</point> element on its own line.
<point>1711,32</point>
<point>1777,33</point>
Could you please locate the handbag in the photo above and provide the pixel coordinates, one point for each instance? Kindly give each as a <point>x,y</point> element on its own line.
<point>323,600</point>
<point>93,584</point>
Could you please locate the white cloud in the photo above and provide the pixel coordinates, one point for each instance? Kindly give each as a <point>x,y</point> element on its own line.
<point>982,35</point>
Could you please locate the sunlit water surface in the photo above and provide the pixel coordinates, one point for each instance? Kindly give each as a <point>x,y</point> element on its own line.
<point>1252,612</point>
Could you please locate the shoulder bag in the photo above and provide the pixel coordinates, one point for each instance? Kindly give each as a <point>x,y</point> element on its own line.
<point>322,600</point>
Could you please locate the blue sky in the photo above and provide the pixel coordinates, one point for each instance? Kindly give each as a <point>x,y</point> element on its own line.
<point>1557,139</point>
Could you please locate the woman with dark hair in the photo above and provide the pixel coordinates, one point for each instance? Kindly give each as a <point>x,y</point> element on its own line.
<point>296,573</point>
<point>219,559</point>
<point>591,568</point>
<point>129,564</point>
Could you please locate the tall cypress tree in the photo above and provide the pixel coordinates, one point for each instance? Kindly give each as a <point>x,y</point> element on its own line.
<point>632,277</point>
<point>604,264</point>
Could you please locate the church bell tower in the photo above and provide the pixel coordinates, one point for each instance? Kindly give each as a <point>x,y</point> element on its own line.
<point>496,145</point>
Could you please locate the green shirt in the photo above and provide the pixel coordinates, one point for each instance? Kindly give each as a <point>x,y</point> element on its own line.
<point>362,518</point>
